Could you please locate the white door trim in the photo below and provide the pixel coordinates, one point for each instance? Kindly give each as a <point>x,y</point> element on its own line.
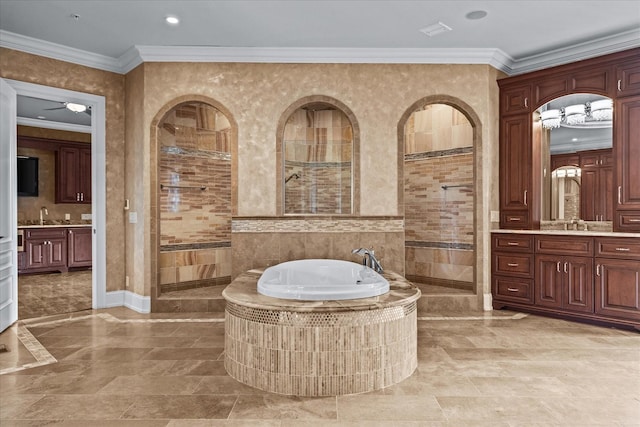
<point>98,172</point>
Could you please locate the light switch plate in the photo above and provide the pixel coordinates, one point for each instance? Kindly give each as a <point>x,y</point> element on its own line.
<point>495,216</point>
<point>86,216</point>
<point>133,217</point>
<point>67,217</point>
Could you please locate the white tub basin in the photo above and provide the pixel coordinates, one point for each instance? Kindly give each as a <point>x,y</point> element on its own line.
<point>321,279</point>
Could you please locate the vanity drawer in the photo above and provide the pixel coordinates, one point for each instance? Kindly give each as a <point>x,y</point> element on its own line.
<point>514,220</point>
<point>564,245</point>
<point>45,233</point>
<point>512,289</point>
<point>618,248</point>
<point>512,243</point>
<point>513,264</point>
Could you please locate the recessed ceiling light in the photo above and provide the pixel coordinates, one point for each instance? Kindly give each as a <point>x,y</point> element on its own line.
<point>435,29</point>
<point>476,14</point>
<point>172,20</point>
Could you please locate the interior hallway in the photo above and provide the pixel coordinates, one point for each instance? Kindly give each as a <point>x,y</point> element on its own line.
<point>56,293</point>
<point>117,367</point>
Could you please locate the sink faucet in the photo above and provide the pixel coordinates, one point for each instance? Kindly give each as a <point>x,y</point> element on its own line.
<point>43,211</point>
<point>369,259</point>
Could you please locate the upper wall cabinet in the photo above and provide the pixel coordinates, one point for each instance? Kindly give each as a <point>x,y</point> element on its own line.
<point>522,172</point>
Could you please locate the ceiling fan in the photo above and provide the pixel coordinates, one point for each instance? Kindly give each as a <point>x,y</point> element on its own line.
<point>72,106</point>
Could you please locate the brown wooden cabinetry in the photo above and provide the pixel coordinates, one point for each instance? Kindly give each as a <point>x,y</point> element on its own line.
<point>73,174</point>
<point>79,247</point>
<point>614,189</point>
<point>577,277</point>
<point>55,249</point>
<point>618,277</point>
<point>627,164</point>
<point>46,250</point>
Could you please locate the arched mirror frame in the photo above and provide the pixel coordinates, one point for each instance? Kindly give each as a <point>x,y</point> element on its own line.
<point>155,173</point>
<point>537,138</point>
<point>355,162</point>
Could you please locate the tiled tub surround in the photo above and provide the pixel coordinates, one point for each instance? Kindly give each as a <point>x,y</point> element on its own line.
<point>195,198</point>
<point>320,348</point>
<point>439,222</point>
<point>260,242</point>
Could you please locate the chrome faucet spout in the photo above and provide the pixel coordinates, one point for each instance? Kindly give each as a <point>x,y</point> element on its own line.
<point>43,211</point>
<point>369,259</point>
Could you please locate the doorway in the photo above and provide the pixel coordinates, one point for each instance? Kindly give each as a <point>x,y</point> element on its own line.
<point>96,129</point>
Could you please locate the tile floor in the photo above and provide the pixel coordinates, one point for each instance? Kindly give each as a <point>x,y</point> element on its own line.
<point>56,293</point>
<point>116,367</point>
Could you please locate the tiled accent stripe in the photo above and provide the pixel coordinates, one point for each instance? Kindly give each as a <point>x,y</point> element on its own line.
<point>196,153</point>
<point>194,246</point>
<point>440,245</point>
<point>439,153</point>
<point>333,225</point>
<point>37,350</point>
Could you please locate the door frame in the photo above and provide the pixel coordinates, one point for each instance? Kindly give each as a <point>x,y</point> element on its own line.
<point>98,175</point>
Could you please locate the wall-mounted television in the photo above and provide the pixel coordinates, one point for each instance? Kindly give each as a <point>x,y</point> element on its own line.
<point>27,176</point>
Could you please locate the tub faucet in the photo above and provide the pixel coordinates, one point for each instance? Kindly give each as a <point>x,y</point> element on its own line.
<point>369,259</point>
<point>43,211</point>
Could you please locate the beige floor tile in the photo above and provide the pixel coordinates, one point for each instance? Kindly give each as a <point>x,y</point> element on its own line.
<point>180,407</point>
<point>504,408</point>
<point>143,385</point>
<point>84,406</point>
<point>389,408</point>
<point>277,407</point>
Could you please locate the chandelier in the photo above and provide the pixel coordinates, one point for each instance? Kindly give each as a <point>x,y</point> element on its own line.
<point>577,114</point>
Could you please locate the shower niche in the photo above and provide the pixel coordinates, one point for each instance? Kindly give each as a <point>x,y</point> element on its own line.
<point>318,149</point>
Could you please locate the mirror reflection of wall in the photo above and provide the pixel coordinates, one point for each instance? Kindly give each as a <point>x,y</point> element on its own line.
<point>574,128</point>
<point>318,149</point>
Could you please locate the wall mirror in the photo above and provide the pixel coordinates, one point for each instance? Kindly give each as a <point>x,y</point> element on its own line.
<point>317,167</point>
<point>576,144</point>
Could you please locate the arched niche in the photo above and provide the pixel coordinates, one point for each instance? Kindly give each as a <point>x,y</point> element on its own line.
<point>194,170</point>
<point>318,151</point>
<point>438,138</point>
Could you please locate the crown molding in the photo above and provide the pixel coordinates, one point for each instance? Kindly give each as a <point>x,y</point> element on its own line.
<point>496,58</point>
<point>57,51</point>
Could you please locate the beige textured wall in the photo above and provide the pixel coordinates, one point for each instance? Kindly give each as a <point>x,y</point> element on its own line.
<point>50,72</point>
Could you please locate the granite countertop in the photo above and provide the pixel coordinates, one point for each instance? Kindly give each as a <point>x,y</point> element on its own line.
<point>570,233</point>
<point>53,224</point>
<point>244,291</point>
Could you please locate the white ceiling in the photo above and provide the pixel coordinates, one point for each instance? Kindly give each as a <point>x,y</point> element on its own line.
<point>515,36</point>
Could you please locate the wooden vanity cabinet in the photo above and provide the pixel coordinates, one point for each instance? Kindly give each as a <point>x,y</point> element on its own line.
<point>618,277</point>
<point>45,250</point>
<point>616,76</point>
<point>564,273</point>
<point>54,249</point>
<point>80,250</point>
<point>627,164</point>
<point>512,269</point>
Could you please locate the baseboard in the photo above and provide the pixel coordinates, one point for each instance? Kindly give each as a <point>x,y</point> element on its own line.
<point>130,300</point>
<point>487,302</point>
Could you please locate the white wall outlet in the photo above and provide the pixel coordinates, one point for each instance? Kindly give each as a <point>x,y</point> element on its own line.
<point>67,217</point>
<point>495,216</point>
<point>86,216</point>
<point>133,217</point>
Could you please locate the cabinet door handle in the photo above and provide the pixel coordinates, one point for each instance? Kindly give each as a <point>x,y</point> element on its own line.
<point>619,85</point>
<point>565,267</point>
<point>512,243</point>
<point>512,289</point>
<point>82,197</point>
<point>514,218</point>
<point>512,264</point>
<point>526,103</point>
<point>70,231</point>
<point>525,198</point>
<point>619,194</point>
<point>598,270</point>
<point>623,249</point>
<point>634,220</point>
